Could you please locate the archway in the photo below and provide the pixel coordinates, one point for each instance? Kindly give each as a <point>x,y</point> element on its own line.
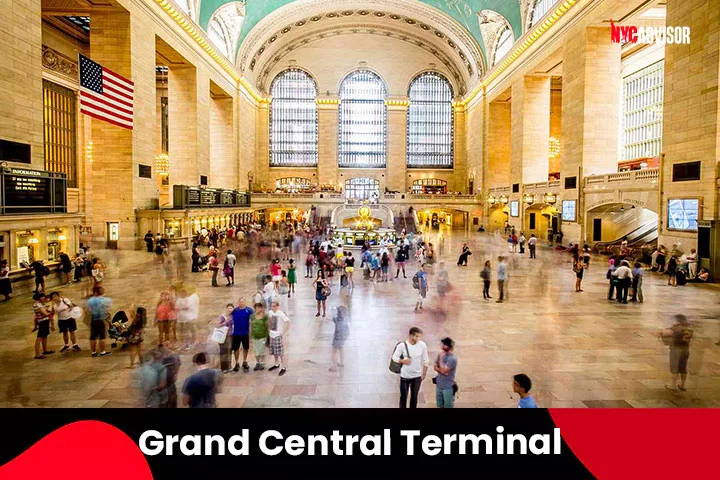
<point>498,216</point>
<point>539,220</point>
<point>609,224</point>
<point>437,218</point>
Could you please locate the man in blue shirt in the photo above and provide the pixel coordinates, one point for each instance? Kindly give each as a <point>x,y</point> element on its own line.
<point>241,334</point>
<point>522,385</point>
<point>501,277</point>
<point>421,276</point>
<point>445,366</point>
<point>99,307</point>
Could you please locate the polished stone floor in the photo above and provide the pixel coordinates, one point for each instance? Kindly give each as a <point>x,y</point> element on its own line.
<point>580,349</point>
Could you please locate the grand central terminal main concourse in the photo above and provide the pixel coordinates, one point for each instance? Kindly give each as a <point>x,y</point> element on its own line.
<point>264,204</point>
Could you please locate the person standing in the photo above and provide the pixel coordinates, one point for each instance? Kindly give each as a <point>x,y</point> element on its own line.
<point>99,307</point>
<point>412,354</point>
<point>420,284</point>
<point>40,271</point>
<point>278,326</point>
<point>291,277</point>
<point>5,284</point>
<point>164,314</point>
<point>225,320</point>
<point>340,334</point>
<point>463,258</point>
<point>149,241</point>
<point>136,333</point>
<point>445,366</point>
<point>486,274</point>
<point>637,278</point>
<point>532,245</point>
<point>241,334</point>
<point>200,388</point>
<point>43,324</point>
<point>229,268</point>
<point>578,268</point>
<point>501,277</point>
<point>522,385</point>
<point>309,263</point>
<point>400,259</point>
<point>65,268</point>
<point>586,256</point>
<point>320,292</point>
<point>678,337</point>
<point>171,362</point>
<point>671,270</point>
<point>153,380</point>
<point>259,334</point>
<point>610,275</point>
<point>522,240</point>
<point>623,274</point>
<point>349,269</point>
<point>213,266</point>
<point>188,311</point>
<point>66,323</point>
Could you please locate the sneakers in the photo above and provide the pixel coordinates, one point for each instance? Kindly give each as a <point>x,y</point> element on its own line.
<point>282,372</point>
<point>104,354</point>
<point>257,367</point>
<point>76,347</point>
<point>237,368</point>
<point>245,367</point>
<point>39,357</point>
<point>274,367</point>
<point>94,354</point>
<point>65,349</point>
<point>48,352</point>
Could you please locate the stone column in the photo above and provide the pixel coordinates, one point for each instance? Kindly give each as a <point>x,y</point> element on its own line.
<point>460,161</point>
<point>224,171</point>
<point>530,130</point>
<point>183,142</point>
<point>591,96</point>
<point>21,78</point>
<point>690,117</point>
<point>328,139</point>
<point>396,169</point>
<point>498,145</point>
<point>119,42</point>
<point>246,121</point>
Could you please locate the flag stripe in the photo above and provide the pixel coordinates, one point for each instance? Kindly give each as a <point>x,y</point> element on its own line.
<point>130,84</point>
<point>119,86</point>
<point>111,90</point>
<point>110,101</point>
<point>111,112</point>
<point>106,119</point>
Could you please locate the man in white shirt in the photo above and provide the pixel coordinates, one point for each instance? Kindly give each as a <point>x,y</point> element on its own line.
<point>624,277</point>
<point>689,262</point>
<point>230,260</point>
<point>413,355</point>
<point>188,311</point>
<point>278,325</point>
<point>532,244</point>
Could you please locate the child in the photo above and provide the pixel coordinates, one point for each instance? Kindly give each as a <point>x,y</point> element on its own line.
<point>292,277</point>
<point>135,337</point>
<point>522,385</point>
<point>43,323</point>
<point>376,268</point>
<point>258,334</point>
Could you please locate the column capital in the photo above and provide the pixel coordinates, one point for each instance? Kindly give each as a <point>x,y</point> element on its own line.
<point>327,101</point>
<point>397,102</point>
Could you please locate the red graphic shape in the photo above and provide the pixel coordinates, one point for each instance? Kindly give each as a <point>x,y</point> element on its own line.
<point>81,451</point>
<point>622,444</point>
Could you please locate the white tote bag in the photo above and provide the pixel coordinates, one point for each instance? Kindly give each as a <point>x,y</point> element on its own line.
<point>219,334</point>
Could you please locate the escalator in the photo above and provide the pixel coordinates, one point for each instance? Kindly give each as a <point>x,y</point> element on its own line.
<point>640,241</point>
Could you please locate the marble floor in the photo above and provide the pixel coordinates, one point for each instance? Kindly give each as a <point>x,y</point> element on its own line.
<point>580,349</point>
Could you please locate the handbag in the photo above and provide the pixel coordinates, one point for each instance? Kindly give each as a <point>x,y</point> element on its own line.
<point>284,289</point>
<point>396,367</point>
<point>75,312</point>
<point>219,334</point>
<point>326,291</point>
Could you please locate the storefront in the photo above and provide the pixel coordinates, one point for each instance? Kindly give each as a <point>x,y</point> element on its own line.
<point>181,225</point>
<point>24,239</point>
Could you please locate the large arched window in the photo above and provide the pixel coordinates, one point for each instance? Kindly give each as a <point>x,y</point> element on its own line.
<point>430,122</point>
<point>362,188</point>
<point>540,9</point>
<point>224,27</point>
<point>293,120</point>
<point>504,44</point>
<point>362,121</point>
<point>218,36</point>
<point>187,6</point>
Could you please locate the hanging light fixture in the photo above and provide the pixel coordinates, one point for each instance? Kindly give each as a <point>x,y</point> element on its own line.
<point>553,147</point>
<point>550,198</point>
<point>162,164</point>
<point>529,198</point>
<point>491,199</point>
<point>504,199</point>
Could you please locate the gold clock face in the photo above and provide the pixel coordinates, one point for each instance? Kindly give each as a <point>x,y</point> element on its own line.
<point>364,212</point>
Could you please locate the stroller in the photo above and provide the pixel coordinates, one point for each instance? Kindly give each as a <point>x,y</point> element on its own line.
<point>203,263</point>
<point>118,330</point>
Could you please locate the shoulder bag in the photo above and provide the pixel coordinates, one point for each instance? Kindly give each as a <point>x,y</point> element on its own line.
<point>396,367</point>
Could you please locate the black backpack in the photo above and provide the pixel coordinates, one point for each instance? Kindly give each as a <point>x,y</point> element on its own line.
<point>416,281</point>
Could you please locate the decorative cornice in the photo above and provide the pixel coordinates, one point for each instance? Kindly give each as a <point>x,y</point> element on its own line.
<point>59,63</point>
<point>327,101</point>
<point>529,39</point>
<point>397,103</point>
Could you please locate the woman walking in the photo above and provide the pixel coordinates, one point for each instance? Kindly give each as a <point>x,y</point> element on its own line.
<point>275,270</point>
<point>225,320</point>
<point>486,274</point>
<point>340,335</point>
<point>164,314</point>
<point>320,292</point>
<point>349,269</point>
<point>291,276</point>
<point>136,333</point>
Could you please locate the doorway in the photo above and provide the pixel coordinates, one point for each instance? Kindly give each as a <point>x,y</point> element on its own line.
<point>597,229</point>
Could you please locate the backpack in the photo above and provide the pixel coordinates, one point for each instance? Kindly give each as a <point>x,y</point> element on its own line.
<point>416,281</point>
<point>396,367</point>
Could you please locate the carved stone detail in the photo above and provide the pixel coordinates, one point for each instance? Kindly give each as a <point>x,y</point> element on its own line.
<point>59,63</point>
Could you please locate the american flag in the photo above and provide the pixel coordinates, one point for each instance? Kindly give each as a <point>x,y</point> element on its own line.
<point>105,95</point>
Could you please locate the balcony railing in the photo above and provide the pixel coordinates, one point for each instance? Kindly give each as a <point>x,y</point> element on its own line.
<point>648,175</point>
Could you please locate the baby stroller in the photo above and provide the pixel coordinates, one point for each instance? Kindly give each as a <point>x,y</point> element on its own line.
<point>203,263</point>
<point>118,330</point>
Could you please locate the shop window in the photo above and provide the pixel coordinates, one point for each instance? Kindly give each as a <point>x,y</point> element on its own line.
<point>60,131</point>
<point>27,248</point>
<point>430,126</point>
<point>57,242</point>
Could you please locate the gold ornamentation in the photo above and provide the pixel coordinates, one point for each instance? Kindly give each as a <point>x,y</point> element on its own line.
<point>59,63</point>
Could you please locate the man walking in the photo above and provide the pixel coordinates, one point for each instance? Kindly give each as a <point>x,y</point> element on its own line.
<point>532,244</point>
<point>241,334</point>
<point>445,366</point>
<point>501,277</point>
<point>201,387</point>
<point>420,284</point>
<point>413,356</point>
<point>229,268</point>
<point>99,307</point>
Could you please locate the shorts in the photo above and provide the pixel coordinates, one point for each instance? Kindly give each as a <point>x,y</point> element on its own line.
<point>422,293</point>
<point>276,346</point>
<point>238,340</point>
<point>97,330</point>
<point>276,278</point>
<point>68,325</point>
<point>259,346</point>
<point>349,269</point>
<point>679,359</point>
<point>384,268</point>
<point>43,329</point>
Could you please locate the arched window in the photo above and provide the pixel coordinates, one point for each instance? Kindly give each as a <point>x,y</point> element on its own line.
<point>224,27</point>
<point>540,9</point>
<point>504,44</point>
<point>362,188</point>
<point>430,122</point>
<point>218,36</point>
<point>362,121</point>
<point>293,120</point>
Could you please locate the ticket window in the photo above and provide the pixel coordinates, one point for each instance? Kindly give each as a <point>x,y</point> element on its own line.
<point>57,242</point>
<point>173,228</point>
<point>27,248</point>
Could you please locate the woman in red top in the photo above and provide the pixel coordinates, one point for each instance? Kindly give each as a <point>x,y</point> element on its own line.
<point>275,271</point>
<point>164,314</point>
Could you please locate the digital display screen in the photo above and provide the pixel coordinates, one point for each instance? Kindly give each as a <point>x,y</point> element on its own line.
<point>569,213</point>
<point>515,208</point>
<point>32,191</point>
<point>683,214</point>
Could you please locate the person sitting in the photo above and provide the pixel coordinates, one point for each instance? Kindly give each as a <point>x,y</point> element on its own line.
<point>703,275</point>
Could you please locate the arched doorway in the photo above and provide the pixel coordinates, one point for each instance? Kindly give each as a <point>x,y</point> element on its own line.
<point>362,188</point>
<point>429,185</point>
<point>540,219</point>
<point>498,216</point>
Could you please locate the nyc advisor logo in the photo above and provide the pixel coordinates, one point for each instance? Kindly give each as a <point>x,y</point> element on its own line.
<point>647,35</point>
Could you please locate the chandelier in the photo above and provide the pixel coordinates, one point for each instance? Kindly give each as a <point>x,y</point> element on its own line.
<point>162,164</point>
<point>553,147</point>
